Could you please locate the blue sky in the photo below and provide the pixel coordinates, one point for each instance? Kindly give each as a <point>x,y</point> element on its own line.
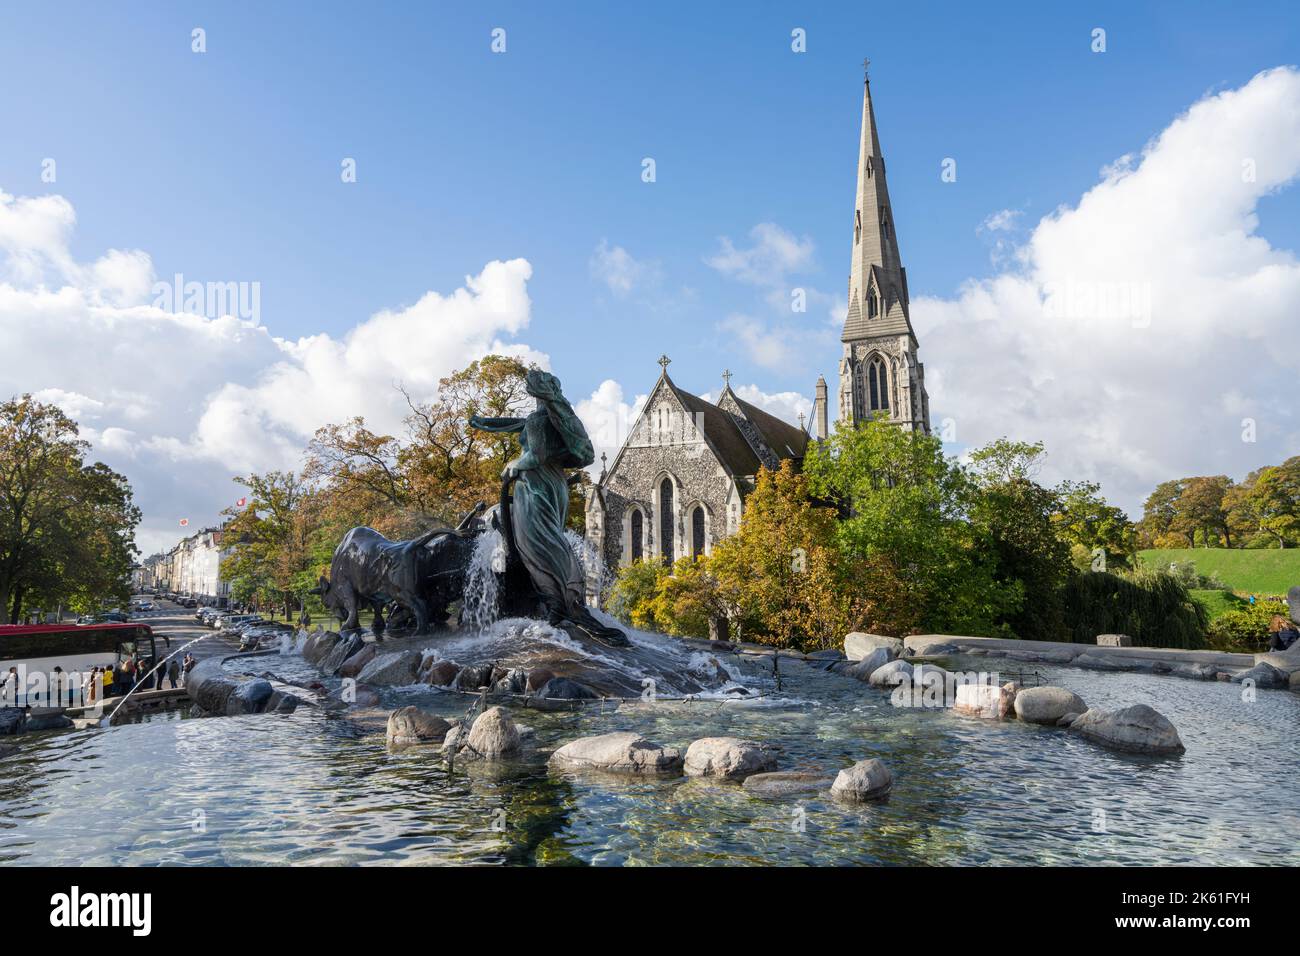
<point>225,165</point>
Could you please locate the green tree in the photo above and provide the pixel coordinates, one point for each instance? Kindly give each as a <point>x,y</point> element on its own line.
<point>1275,498</point>
<point>271,557</point>
<point>1014,515</point>
<point>1099,534</point>
<point>66,527</point>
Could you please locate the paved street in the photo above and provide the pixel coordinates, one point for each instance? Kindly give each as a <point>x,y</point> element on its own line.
<point>175,623</point>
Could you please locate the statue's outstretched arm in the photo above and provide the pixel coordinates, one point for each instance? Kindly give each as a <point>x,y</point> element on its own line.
<point>497,424</point>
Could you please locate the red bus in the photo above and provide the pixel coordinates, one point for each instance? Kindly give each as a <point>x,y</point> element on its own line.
<point>35,650</point>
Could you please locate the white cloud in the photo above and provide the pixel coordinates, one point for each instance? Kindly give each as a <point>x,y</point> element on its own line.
<point>775,254</point>
<point>609,418</point>
<point>1143,323</point>
<point>1001,221</point>
<point>617,269</point>
<point>181,403</point>
<point>787,406</point>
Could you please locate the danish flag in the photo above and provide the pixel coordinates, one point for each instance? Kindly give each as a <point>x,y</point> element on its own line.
<point>184,522</point>
<point>241,502</point>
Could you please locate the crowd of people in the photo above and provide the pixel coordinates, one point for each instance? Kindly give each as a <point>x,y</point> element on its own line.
<point>101,683</point>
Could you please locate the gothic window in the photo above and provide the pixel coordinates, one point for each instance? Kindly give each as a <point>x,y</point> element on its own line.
<point>666,520</point>
<point>638,547</point>
<point>857,227</point>
<point>878,385</point>
<point>697,532</point>
<point>873,304</point>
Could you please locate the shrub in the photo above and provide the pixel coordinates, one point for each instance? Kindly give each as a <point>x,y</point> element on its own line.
<point>632,599</point>
<point>1245,629</point>
<point>1152,607</point>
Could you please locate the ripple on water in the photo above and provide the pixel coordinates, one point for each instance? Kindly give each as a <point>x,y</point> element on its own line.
<point>310,788</point>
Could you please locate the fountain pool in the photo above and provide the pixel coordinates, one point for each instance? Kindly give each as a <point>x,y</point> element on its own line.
<point>315,788</point>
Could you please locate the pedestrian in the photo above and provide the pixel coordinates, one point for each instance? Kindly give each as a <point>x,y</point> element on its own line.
<point>128,674</point>
<point>108,681</point>
<point>9,692</point>
<point>90,686</point>
<point>173,671</point>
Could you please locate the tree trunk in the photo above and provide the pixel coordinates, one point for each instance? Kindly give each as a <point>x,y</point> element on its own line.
<point>17,606</point>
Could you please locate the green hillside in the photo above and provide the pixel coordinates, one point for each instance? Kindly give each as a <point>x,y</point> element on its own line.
<point>1259,572</point>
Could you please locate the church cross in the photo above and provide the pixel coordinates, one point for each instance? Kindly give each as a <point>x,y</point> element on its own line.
<point>664,362</point>
<point>726,377</point>
<point>865,64</point>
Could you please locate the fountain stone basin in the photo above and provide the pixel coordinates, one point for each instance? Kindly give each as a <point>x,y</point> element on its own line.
<point>652,666</point>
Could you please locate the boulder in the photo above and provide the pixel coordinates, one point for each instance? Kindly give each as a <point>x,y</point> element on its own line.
<point>282,702</point>
<point>343,649</point>
<point>361,695</point>
<point>1194,671</point>
<point>1136,729</point>
<point>1293,603</point>
<point>1047,705</point>
<point>411,725</point>
<point>621,752</point>
<point>866,666</point>
<point>1264,675</point>
<point>513,681</point>
<point>1104,662</point>
<point>357,662</point>
<point>859,645</point>
<point>988,701</point>
<point>1067,720</point>
<point>473,677</point>
<point>891,674</point>
<point>784,783</point>
<point>394,669</point>
<point>729,757</point>
<point>441,673</point>
<point>11,720</point>
<point>562,688</point>
<point>929,645</point>
<point>318,646</point>
<point>1114,640</point>
<point>828,655</point>
<point>493,735</point>
<point>249,697</point>
<point>51,721</point>
<point>865,780</point>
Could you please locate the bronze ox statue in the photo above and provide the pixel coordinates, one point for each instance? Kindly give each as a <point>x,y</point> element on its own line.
<point>418,579</point>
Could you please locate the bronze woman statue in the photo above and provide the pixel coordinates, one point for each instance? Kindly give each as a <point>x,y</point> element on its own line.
<point>552,439</point>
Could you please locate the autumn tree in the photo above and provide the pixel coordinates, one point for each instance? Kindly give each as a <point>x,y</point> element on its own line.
<point>270,540</point>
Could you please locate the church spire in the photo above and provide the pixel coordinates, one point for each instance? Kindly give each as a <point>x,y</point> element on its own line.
<point>877,281</point>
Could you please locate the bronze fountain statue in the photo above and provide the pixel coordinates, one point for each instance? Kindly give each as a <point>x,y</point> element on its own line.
<point>542,578</point>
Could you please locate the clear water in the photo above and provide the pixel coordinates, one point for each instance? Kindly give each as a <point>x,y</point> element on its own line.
<point>311,788</point>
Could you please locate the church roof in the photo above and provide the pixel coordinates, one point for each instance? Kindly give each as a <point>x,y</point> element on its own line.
<point>721,431</point>
<point>785,440</point>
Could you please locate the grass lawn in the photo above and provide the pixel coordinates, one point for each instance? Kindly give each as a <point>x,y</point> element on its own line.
<point>1264,573</point>
<point>1217,602</point>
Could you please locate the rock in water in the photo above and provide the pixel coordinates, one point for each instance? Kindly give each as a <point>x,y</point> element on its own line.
<point>564,689</point>
<point>1137,729</point>
<point>728,757</point>
<point>869,664</point>
<point>353,665</point>
<point>857,645</point>
<point>891,674</point>
<point>1264,675</point>
<point>493,735</point>
<point>318,646</point>
<point>985,700</point>
<point>473,677</point>
<point>865,780</point>
<point>411,725</point>
<point>250,697</point>
<point>341,651</point>
<point>395,669</point>
<point>622,752</point>
<point>784,783</point>
<point>1047,705</point>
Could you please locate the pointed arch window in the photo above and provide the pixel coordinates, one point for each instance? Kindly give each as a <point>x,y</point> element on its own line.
<point>878,385</point>
<point>666,520</point>
<point>857,227</point>
<point>638,536</point>
<point>873,304</point>
<point>697,532</point>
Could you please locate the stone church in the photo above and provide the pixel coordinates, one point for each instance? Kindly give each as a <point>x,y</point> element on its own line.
<point>678,485</point>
